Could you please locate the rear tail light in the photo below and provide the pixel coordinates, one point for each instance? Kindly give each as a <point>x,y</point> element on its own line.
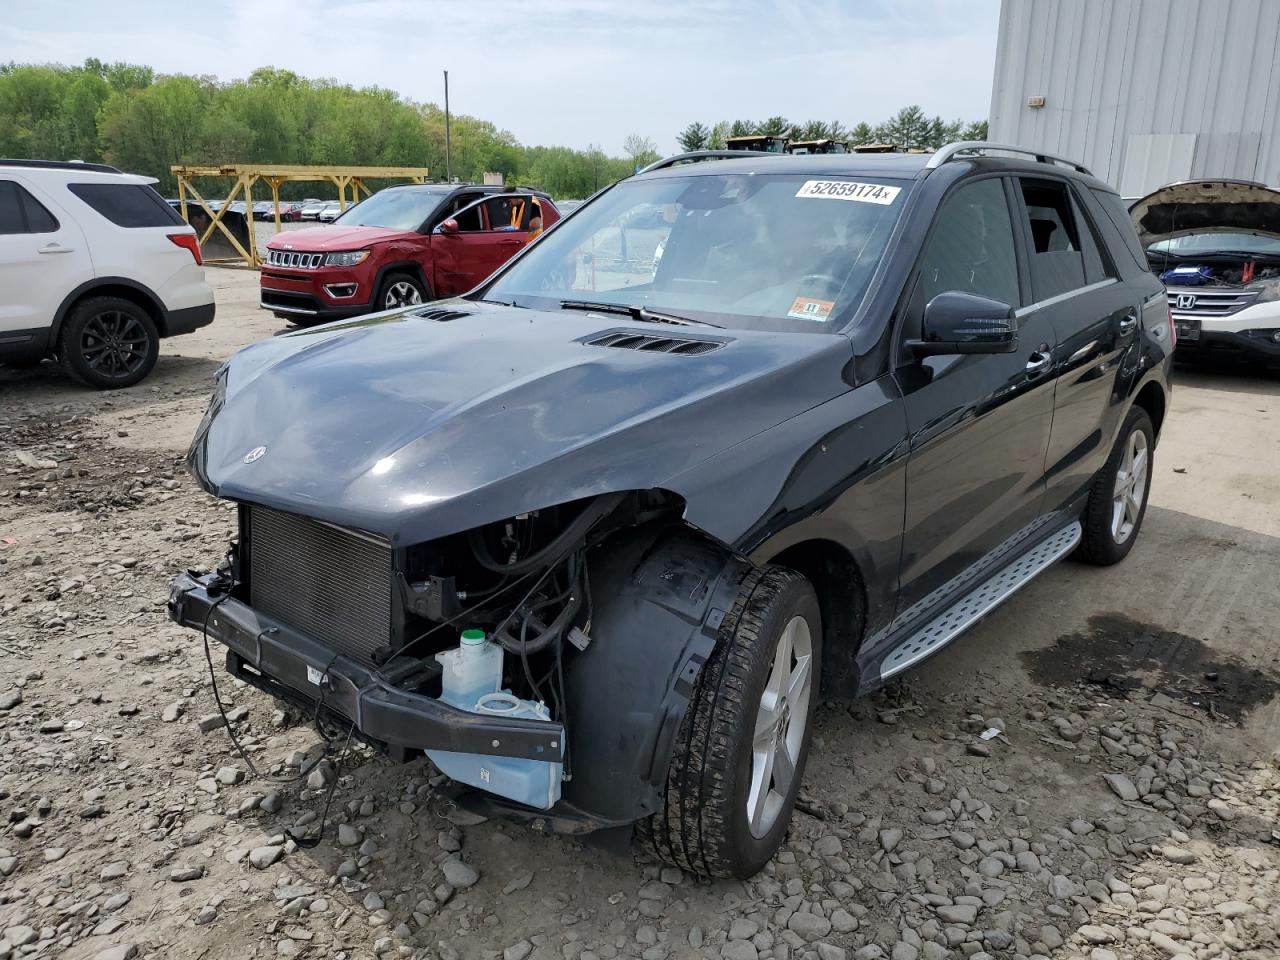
<point>188,241</point>
<point>1173,331</point>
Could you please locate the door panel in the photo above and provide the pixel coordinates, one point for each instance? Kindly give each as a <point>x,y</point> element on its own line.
<point>1096,320</point>
<point>979,424</point>
<point>43,257</point>
<point>979,429</point>
<point>1094,327</point>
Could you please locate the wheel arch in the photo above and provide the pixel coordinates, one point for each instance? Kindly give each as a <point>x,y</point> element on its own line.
<point>1151,398</point>
<point>837,579</point>
<point>411,267</point>
<point>121,287</point>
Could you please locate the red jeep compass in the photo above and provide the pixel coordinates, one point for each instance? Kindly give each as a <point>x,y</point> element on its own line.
<point>403,245</point>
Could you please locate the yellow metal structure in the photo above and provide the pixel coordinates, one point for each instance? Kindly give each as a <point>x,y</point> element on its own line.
<point>247,174</point>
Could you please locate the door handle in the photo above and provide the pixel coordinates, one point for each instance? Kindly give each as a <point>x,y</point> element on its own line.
<point>1039,361</point>
<point>510,243</point>
<point>1128,324</point>
<point>55,248</point>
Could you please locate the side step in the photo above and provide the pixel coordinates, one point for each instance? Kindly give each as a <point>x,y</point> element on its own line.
<point>980,601</point>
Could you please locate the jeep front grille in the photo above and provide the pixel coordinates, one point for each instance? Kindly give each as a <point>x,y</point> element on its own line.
<point>301,261</point>
<point>330,584</point>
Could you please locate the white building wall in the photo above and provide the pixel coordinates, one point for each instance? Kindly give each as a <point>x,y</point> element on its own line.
<point>1143,92</point>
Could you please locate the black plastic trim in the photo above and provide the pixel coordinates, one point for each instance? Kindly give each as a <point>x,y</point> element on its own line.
<point>381,711</point>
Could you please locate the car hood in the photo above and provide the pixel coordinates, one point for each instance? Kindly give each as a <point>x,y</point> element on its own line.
<point>411,427</point>
<point>337,237</point>
<point>1207,206</point>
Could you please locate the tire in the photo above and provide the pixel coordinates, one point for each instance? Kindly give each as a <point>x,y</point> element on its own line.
<point>704,825</point>
<point>108,343</point>
<point>1113,518</point>
<point>400,290</point>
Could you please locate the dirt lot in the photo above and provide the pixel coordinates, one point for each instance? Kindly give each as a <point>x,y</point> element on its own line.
<point>1128,809</point>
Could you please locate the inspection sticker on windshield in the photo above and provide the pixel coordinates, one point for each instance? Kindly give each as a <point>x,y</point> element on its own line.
<point>849,190</point>
<point>806,308</point>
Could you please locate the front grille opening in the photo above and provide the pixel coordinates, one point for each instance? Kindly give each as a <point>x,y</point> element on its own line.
<point>329,584</point>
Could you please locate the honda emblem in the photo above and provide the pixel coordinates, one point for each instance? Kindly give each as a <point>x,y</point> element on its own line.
<point>1186,301</point>
<point>254,454</point>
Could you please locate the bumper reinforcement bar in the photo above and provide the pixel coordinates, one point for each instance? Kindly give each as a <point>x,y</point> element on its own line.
<point>381,711</point>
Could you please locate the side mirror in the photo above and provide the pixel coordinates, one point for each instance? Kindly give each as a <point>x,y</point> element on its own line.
<point>956,322</point>
<point>449,226</point>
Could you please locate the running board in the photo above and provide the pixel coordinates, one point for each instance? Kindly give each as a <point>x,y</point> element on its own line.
<point>980,601</point>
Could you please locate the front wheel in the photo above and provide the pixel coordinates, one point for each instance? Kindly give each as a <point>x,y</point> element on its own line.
<point>1118,500</point>
<point>740,754</point>
<point>400,290</point>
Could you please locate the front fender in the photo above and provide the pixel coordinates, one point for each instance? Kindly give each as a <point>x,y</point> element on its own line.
<point>658,602</point>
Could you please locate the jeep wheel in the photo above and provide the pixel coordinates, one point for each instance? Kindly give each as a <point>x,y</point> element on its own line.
<point>108,343</point>
<point>740,753</point>
<point>1118,500</point>
<point>400,290</point>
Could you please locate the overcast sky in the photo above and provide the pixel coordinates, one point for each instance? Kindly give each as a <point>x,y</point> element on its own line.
<point>568,72</point>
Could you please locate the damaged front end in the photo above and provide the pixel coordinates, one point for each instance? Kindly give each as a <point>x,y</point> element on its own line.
<point>594,617</point>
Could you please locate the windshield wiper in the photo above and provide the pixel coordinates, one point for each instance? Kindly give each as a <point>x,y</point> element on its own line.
<point>635,312</point>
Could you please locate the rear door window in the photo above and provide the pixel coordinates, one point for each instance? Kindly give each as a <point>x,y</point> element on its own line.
<point>127,204</point>
<point>971,248</point>
<point>20,212</point>
<point>1057,264</point>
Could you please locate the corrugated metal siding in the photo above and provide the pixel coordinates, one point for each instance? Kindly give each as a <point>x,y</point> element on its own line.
<point>1113,72</point>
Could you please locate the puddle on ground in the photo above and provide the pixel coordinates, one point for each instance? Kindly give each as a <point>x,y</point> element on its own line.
<point>1118,656</point>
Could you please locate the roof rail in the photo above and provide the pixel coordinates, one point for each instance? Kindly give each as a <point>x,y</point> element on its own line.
<point>60,165</point>
<point>696,156</point>
<point>951,150</point>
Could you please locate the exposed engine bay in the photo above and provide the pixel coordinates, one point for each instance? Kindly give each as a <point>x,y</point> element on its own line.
<point>497,622</point>
<point>1214,271</point>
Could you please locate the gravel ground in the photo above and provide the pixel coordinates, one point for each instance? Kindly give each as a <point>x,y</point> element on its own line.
<point>1127,806</point>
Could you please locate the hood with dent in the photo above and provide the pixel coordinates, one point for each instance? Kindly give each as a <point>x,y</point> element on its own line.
<point>413,428</point>
<point>337,237</point>
<point>1207,206</point>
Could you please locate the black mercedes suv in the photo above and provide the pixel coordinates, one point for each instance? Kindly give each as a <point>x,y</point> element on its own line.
<point>734,435</point>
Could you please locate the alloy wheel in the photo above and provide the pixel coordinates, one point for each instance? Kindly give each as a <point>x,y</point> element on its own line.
<point>1131,487</point>
<point>114,344</point>
<point>402,293</point>
<point>782,721</point>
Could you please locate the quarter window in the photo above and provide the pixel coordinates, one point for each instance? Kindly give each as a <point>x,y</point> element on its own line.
<point>20,212</point>
<point>127,204</point>
<point>971,248</point>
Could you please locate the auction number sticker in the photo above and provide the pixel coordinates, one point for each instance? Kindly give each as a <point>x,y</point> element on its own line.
<point>806,308</point>
<point>849,190</point>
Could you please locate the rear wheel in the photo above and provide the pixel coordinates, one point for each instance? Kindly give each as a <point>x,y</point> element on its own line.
<point>400,290</point>
<point>108,343</point>
<point>740,754</point>
<point>1118,500</point>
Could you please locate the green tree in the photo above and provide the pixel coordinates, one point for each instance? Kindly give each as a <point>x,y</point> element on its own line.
<point>977,130</point>
<point>694,137</point>
<point>640,150</point>
<point>773,127</point>
<point>861,133</point>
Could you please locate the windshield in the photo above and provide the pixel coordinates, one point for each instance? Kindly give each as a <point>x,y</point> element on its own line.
<point>1209,243</point>
<point>396,209</point>
<point>763,252</point>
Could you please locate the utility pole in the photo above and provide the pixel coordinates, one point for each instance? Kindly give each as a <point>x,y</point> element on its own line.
<point>448,160</point>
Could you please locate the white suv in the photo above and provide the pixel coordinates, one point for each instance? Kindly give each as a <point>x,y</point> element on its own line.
<point>94,268</point>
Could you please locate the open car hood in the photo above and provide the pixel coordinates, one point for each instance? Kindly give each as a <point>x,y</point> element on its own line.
<point>1207,206</point>
<point>420,423</point>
